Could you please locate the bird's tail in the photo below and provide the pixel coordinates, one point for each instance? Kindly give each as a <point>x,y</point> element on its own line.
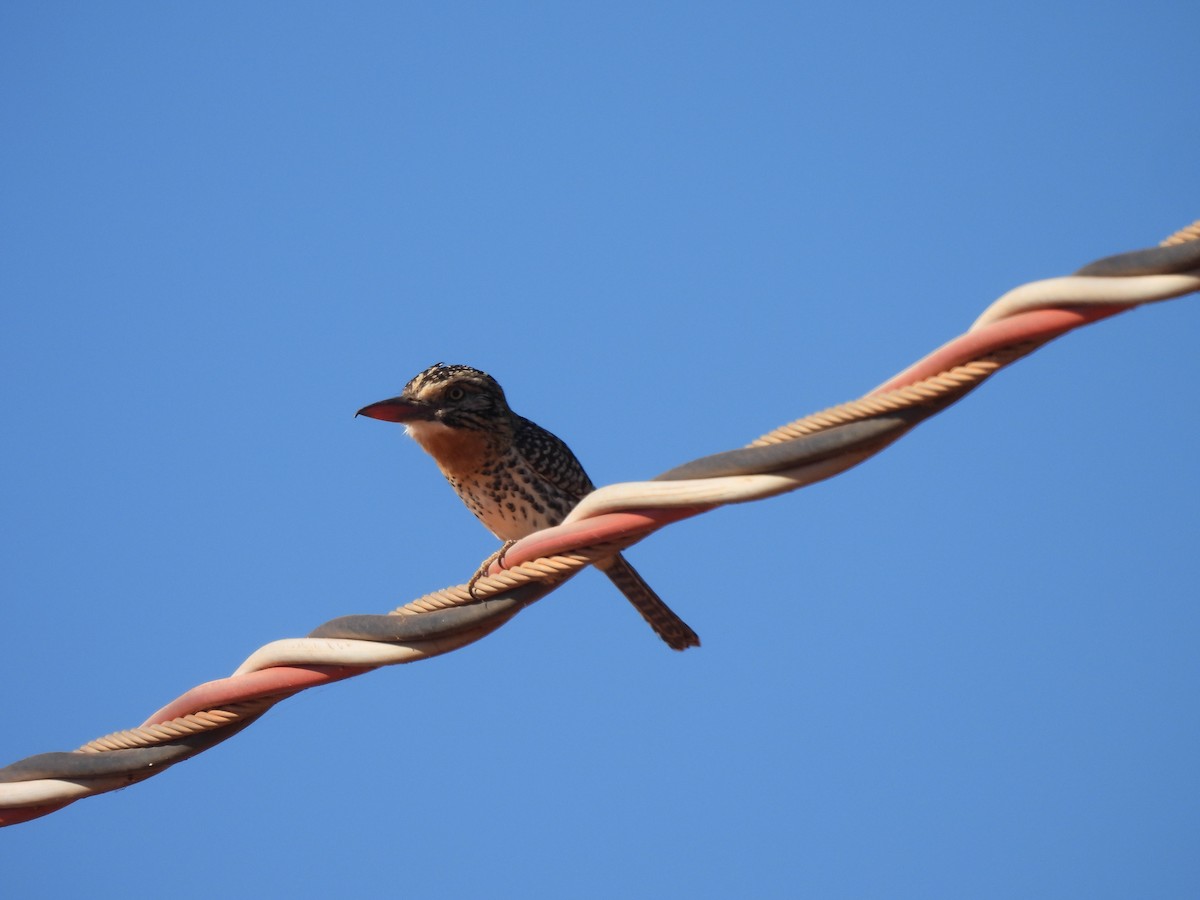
<point>657,614</point>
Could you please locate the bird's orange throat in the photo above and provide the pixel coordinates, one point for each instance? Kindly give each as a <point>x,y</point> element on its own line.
<point>459,452</point>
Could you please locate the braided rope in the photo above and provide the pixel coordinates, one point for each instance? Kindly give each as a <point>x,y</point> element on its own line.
<point>798,453</point>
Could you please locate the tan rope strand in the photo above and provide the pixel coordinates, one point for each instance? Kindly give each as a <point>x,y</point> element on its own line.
<point>1183,235</point>
<point>931,389</point>
<point>194,723</point>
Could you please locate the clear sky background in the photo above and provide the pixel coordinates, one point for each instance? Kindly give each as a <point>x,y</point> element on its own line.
<point>965,669</point>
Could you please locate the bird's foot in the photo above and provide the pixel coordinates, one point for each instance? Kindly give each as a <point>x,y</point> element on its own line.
<point>498,556</point>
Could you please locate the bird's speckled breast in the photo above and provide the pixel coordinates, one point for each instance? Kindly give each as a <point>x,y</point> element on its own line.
<point>496,484</point>
<point>509,499</point>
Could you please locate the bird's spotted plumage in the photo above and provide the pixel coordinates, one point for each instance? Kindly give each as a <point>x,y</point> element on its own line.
<point>515,476</point>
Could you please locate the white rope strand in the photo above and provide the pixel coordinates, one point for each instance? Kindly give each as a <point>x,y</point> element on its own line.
<point>1089,290</point>
<point>344,652</point>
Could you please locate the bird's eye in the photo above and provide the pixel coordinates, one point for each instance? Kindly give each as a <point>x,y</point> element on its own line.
<point>455,393</point>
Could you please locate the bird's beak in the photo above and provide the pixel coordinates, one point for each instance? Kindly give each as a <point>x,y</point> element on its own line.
<point>397,409</point>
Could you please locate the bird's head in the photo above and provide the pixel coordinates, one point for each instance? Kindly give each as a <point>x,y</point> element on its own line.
<point>454,396</point>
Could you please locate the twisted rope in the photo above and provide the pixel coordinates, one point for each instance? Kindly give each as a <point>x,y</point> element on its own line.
<point>804,451</point>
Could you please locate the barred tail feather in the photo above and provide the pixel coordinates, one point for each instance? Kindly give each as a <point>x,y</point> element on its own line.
<point>657,614</point>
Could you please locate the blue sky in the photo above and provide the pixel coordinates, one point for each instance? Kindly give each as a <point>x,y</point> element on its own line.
<point>967,668</point>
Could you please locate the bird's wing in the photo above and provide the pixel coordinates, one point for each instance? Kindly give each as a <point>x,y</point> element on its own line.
<point>552,460</point>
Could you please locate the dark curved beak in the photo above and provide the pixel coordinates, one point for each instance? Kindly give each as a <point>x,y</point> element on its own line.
<point>397,409</point>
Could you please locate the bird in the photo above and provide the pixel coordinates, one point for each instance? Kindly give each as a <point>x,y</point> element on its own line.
<point>514,475</point>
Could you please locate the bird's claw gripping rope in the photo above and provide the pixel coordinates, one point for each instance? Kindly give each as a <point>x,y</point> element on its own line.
<point>496,557</point>
<point>607,521</point>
